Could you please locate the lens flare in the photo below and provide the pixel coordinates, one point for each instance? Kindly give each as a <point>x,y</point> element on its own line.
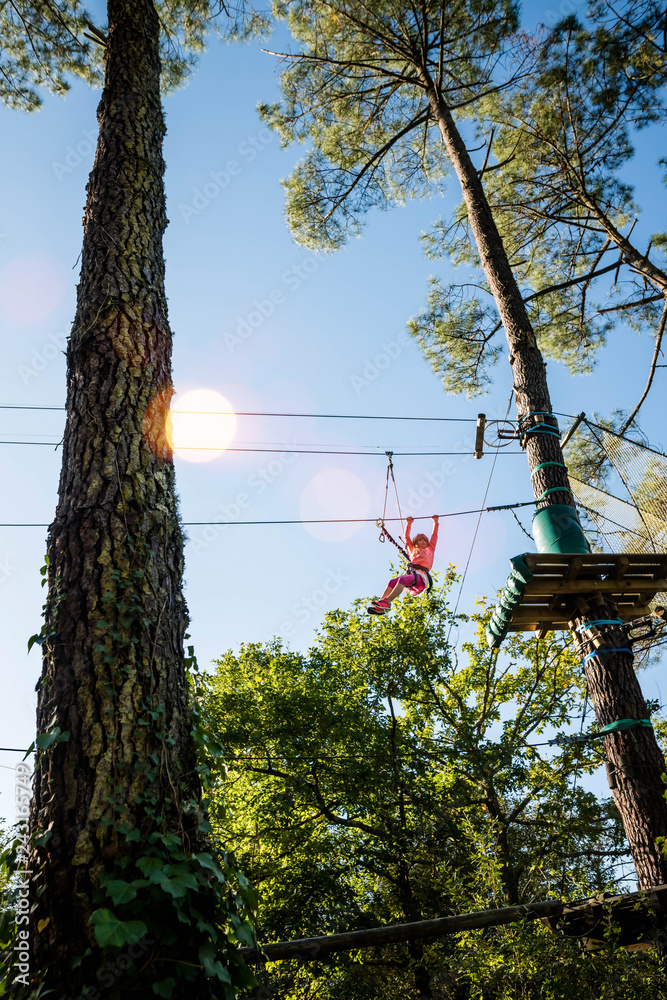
<point>334,493</point>
<point>202,425</point>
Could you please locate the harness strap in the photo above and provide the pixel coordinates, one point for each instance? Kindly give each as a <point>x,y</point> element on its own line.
<point>385,534</point>
<point>422,569</point>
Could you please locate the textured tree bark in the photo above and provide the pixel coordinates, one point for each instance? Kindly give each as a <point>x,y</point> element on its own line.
<point>115,613</point>
<point>613,686</point>
<point>636,762</point>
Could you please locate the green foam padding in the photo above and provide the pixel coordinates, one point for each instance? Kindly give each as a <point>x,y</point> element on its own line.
<point>557,529</point>
<point>492,640</point>
<point>520,570</point>
<point>514,587</point>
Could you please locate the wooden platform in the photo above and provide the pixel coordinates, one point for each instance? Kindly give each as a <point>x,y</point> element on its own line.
<point>635,921</point>
<point>630,580</point>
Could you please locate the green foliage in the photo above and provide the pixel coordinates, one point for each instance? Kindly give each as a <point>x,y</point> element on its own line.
<point>358,94</point>
<point>162,890</point>
<point>380,779</point>
<point>45,42</point>
<point>551,119</point>
<point>555,147</point>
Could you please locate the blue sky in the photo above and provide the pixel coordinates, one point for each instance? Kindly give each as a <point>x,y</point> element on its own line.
<point>330,338</point>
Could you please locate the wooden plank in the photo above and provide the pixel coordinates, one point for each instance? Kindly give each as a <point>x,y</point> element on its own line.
<point>596,559</point>
<point>630,579</point>
<point>544,614</point>
<point>626,586</point>
<point>539,618</point>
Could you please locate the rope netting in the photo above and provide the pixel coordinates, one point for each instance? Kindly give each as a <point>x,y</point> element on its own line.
<point>635,520</point>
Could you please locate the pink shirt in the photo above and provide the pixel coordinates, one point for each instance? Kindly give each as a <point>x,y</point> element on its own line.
<point>423,557</point>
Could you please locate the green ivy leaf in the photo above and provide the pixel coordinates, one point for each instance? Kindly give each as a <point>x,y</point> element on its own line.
<point>148,865</point>
<point>175,882</point>
<point>165,987</point>
<point>213,968</point>
<point>114,933</point>
<point>122,891</point>
<point>53,736</point>
<point>44,838</point>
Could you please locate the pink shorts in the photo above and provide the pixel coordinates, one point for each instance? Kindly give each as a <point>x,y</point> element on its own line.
<point>413,582</point>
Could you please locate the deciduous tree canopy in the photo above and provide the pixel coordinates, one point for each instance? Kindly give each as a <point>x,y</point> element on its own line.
<point>382,778</point>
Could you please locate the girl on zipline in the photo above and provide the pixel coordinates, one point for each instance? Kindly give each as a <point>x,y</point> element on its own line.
<point>418,578</point>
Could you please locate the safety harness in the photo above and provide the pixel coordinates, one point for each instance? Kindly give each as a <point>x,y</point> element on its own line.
<point>384,534</point>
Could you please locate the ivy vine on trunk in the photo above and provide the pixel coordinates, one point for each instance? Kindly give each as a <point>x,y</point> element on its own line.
<point>126,892</point>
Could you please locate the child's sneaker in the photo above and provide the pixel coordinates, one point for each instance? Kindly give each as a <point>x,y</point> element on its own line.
<point>379,607</point>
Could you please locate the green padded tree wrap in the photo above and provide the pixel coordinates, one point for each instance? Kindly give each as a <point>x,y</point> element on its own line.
<point>557,529</point>
<point>520,570</point>
<point>494,639</point>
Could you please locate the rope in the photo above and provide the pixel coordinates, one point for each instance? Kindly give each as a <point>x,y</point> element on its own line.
<point>380,523</point>
<point>398,502</point>
<point>543,465</point>
<point>622,724</point>
<point>322,520</point>
<point>554,489</point>
<point>526,533</point>
<point>601,621</point>
<point>535,413</point>
<point>386,492</point>
<point>599,652</point>
<point>385,534</point>
<point>623,479</point>
<point>541,429</point>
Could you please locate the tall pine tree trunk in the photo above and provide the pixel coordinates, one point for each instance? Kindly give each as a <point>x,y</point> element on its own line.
<point>113,674</point>
<point>612,683</point>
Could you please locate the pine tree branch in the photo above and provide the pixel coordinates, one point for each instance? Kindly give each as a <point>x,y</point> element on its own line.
<point>376,157</point>
<point>631,305</point>
<point>345,63</point>
<point>654,363</point>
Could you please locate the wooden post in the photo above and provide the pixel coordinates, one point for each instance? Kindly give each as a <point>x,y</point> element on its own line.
<point>571,431</point>
<point>479,435</point>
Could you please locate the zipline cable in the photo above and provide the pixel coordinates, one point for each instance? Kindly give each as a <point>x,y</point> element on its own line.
<point>249,413</point>
<point>339,520</point>
<point>288,451</point>
<point>318,416</point>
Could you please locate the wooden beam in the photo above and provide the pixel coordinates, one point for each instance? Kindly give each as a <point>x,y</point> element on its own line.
<point>627,585</point>
<point>621,567</point>
<point>594,561</point>
<point>566,437</point>
<point>538,618</point>
<point>574,568</point>
<point>315,947</point>
<point>479,435</point>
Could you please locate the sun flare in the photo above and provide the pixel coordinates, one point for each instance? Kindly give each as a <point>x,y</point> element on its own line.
<point>202,425</point>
